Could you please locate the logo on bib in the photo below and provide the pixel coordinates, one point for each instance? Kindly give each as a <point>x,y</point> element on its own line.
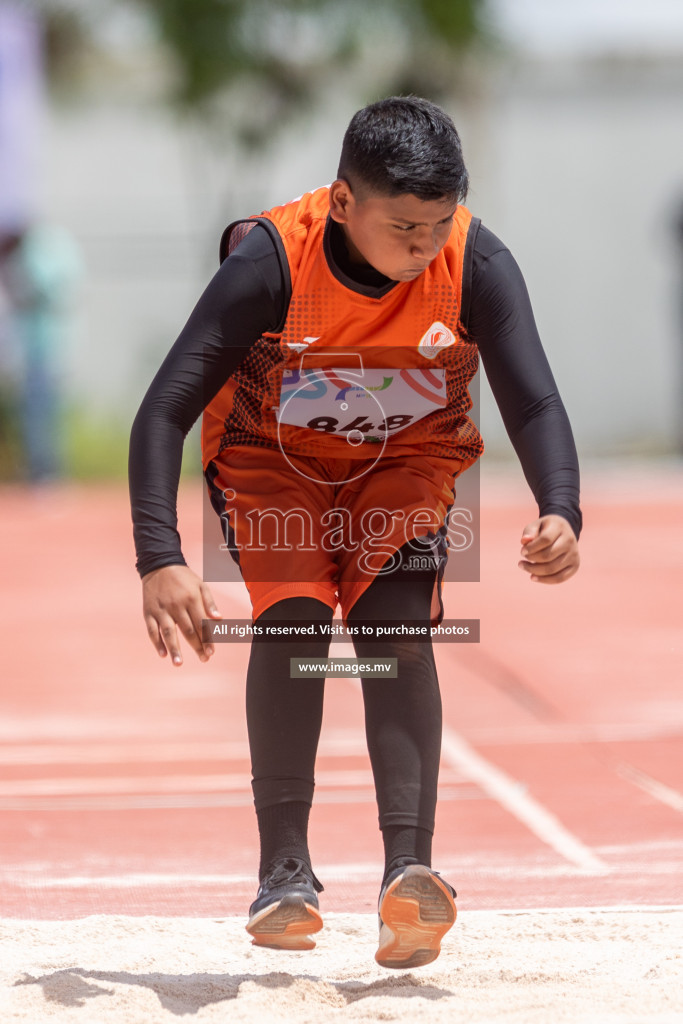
<point>301,346</point>
<point>437,337</point>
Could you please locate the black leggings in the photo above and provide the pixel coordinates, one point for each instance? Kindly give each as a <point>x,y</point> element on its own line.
<point>402,716</point>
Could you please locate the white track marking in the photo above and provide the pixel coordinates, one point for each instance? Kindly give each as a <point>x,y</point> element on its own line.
<point>559,732</point>
<point>352,874</point>
<point>192,801</point>
<point>665,794</point>
<point>338,743</point>
<point>511,795</point>
<point>112,784</point>
<point>88,785</point>
<point>650,847</point>
<point>123,753</point>
<point>618,908</point>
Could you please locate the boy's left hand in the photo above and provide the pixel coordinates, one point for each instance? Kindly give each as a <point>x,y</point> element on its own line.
<point>550,551</point>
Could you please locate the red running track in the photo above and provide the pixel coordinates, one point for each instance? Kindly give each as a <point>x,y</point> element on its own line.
<point>124,783</point>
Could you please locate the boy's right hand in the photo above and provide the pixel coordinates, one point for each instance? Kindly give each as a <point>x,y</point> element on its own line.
<point>173,598</point>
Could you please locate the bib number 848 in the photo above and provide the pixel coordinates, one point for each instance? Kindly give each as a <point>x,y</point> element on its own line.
<point>330,424</point>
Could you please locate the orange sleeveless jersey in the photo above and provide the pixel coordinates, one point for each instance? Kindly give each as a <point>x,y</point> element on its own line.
<point>348,373</point>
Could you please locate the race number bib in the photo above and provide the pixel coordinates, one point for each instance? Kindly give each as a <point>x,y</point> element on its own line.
<point>366,405</point>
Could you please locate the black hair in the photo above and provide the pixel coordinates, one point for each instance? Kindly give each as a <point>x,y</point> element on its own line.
<point>404,144</point>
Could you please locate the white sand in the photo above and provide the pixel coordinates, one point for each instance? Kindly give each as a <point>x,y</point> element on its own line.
<point>592,966</point>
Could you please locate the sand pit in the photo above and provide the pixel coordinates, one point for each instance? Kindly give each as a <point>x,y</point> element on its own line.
<point>588,966</point>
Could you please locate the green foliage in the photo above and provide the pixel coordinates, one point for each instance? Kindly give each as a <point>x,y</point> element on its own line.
<point>93,447</point>
<point>457,23</point>
<point>65,38</point>
<point>10,435</point>
<point>205,38</point>
<point>96,447</point>
<point>284,49</point>
<point>215,42</point>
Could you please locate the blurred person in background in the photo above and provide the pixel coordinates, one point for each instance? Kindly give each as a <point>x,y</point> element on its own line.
<point>40,270</point>
<point>39,264</point>
<point>678,230</point>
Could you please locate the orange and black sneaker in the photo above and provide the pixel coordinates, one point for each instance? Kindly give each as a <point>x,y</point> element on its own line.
<point>416,909</point>
<point>285,912</point>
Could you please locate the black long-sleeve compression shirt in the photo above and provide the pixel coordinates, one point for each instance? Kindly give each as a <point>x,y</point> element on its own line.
<point>246,298</point>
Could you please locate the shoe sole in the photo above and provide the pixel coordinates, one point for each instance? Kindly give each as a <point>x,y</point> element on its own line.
<point>416,912</point>
<point>287,924</point>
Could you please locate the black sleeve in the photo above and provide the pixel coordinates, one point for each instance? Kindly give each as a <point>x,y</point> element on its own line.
<point>243,300</point>
<point>501,323</point>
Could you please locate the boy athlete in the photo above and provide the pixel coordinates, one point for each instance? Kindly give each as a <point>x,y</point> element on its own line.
<point>331,355</point>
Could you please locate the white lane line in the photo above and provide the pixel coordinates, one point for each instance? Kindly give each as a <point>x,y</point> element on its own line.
<point>557,732</point>
<point>511,795</point>
<point>89,785</point>
<point>122,753</point>
<point>349,874</point>
<point>80,786</point>
<point>192,801</point>
<point>652,848</point>
<point>337,872</point>
<point>338,743</point>
<point>665,794</point>
<point>618,908</point>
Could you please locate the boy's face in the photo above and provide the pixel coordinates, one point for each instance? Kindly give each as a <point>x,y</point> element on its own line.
<point>397,235</point>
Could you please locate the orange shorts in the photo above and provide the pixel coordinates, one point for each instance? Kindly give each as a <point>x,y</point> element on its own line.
<point>326,528</point>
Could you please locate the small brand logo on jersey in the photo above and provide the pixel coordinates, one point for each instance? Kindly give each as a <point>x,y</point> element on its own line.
<point>437,337</point>
<point>301,346</point>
